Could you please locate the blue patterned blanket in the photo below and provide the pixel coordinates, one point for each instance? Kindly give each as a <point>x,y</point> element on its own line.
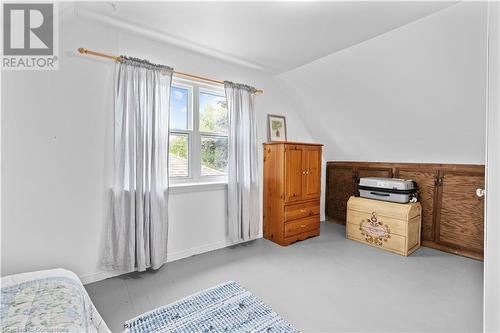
<point>227,308</point>
<point>47,301</point>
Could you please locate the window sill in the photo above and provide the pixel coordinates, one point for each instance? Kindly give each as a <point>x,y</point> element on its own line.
<point>197,187</point>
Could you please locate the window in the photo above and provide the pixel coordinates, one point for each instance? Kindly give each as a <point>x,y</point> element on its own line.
<point>199,125</point>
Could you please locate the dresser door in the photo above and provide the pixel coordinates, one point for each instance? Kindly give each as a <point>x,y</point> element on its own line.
<point>294,173</point>
<point>460,220</point>
<point>312,172</point>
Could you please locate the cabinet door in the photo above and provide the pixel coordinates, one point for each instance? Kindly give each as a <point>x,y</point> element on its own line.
<point>426,181</point>
<point>460,219</point>
<point>340,187</point>
<point>294,155</point>
<point>312,169</point>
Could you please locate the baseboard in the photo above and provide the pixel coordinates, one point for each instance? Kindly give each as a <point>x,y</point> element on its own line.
<point>102,275</point>
<point>98,276</point>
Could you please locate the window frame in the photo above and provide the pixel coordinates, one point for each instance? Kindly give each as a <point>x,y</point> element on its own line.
<point>188,131</point>
<point>194,134</point>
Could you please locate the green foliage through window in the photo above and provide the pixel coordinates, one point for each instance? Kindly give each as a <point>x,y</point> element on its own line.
<point>214,154</point>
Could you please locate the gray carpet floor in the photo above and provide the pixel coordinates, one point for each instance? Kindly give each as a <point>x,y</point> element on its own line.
<point>323,284</point>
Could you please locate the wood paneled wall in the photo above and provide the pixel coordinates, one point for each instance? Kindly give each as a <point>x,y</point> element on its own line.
<point>452,213</point>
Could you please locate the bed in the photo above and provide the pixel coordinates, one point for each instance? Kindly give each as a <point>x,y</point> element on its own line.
<point>47,301</point>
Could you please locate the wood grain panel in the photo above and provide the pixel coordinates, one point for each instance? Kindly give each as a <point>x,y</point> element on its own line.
<point>301,209</point>
<point>373,172</point>
<point>293,172</point>
<point>312,179</point>
<point>396,243</point>
<point>394,224</point>
<point>273,191</point>
<point>303,225</point>
<point>426,185</point>
<point>461,213</point>
<point>340,184</point>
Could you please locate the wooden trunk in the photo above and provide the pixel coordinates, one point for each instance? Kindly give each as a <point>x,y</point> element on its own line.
<point>292,190</point>
<point>452,214</point>
<point>392,227</point>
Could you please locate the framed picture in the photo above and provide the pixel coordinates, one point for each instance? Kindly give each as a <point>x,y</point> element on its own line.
<point>276,128</point>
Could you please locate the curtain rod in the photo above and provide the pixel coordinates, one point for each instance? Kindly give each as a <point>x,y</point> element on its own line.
<point>83,50</point>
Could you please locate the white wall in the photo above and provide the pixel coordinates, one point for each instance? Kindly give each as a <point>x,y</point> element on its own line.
<point>414,94</point>
<point>57,154</point>
<point>492,229</point>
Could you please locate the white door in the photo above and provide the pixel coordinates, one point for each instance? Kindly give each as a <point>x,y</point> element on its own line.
<point>492,220</point>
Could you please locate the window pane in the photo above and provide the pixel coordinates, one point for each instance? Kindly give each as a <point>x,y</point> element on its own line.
<point>179,108</point>
<point>178,164</point>
<point>213,155</point>
<point>213,113</point>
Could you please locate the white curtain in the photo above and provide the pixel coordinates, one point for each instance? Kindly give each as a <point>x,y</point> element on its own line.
<point>137,233</point>
<point>243,185</point>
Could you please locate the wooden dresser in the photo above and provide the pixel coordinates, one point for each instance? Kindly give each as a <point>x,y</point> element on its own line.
<point>292,190</point>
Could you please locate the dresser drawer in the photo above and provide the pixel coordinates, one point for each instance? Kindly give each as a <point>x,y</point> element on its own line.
<point>300,210</point>
<point>302,225</point>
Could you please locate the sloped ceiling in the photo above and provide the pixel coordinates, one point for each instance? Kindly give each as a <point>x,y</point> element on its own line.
<point>414,94</point>
<point>271,36</point>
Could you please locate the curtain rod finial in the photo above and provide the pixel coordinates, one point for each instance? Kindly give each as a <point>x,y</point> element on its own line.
<point>82,50</point>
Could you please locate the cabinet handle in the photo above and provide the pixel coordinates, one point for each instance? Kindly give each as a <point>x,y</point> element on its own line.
<point>302,210</point>
<point>480,192</point>
<point>302,225</point>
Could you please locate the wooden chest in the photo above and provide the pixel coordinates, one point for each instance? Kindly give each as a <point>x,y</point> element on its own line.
<point>393,227</point>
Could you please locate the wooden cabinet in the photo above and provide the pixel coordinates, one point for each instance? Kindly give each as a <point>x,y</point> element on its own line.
<point>292,190</point>
<point>452,214</point>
